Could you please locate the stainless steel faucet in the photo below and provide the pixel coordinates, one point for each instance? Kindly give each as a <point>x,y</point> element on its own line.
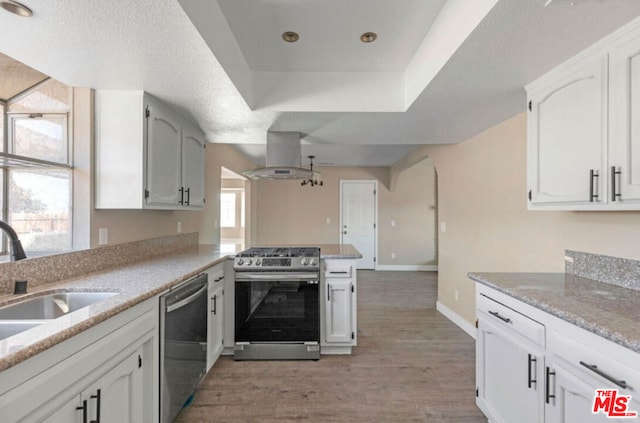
<point>17,252</point>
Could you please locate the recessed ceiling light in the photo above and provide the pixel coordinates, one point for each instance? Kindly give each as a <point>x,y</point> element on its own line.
<point>16,8</point>
<point>368,37</point>
<point>290,36</point>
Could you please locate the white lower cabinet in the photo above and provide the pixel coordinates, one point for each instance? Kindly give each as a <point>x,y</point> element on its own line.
<point>215,325</point>
<point>107,374</point>
<point>338,311</point>
<point>534,367</point>
<point>509,366</point>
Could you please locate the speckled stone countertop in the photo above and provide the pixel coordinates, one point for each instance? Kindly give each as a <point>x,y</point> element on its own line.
<point>135,283</point>
<point>610,311</point>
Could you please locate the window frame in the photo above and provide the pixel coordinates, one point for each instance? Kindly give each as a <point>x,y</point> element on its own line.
<point>32,162</point>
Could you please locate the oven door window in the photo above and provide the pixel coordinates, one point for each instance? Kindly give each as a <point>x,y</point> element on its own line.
<point>277,311</point>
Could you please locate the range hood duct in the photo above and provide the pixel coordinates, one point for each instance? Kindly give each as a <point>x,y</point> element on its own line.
<point>283,158</point>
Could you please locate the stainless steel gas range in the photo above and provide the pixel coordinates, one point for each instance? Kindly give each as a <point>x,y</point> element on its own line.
<point>277,304</point>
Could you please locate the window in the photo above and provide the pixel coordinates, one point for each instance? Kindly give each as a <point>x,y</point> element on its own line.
<point>228,209</point>
<point>37,172</point>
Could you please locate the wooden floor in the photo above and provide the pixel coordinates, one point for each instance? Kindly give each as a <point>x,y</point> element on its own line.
<point>411,365</point>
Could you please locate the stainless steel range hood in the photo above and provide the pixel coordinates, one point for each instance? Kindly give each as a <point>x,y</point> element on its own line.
<point>283,158</point>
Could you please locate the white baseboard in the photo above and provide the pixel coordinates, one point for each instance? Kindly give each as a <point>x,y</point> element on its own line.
<point>408,267</point>
<point>455,318</point>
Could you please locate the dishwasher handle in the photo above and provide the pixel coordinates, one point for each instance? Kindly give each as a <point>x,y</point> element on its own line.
<point>188,300</point>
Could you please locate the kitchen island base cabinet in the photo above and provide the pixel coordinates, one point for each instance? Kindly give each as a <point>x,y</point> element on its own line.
<point>106,373</point>
<point>338,310</point>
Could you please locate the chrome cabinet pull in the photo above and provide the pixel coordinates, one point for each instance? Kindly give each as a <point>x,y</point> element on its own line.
<point>594,369</point>
<point>614,173</point>
<point>496,314</point>
<point>181,191</point>
<point>547,393</point>
<point>188,190</point>
<point>593,175</point>
<point>532,359</point>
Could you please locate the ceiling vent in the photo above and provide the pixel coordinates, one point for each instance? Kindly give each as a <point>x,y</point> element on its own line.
<point>283,158</point>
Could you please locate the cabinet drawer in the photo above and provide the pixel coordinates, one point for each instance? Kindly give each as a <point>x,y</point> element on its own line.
<point>501,314</point>
<point>602,360</point>
<point>338,272</point>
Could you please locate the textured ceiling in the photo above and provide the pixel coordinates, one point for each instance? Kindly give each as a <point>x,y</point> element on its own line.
<point>153,45</point>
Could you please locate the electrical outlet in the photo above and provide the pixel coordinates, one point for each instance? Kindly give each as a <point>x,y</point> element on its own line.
<point>393,223</point>
<point>443,226</point>
<point>103,236</point>
<point>393,256</point>
<point>456,295</point>
<point>328,220</point>
<point>179,227</point>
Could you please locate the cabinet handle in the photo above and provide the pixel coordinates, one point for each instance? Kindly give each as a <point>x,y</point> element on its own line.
<point>84,411</point>
<point>593,174</point>
<point>188,190</point>
<point>181,191</point>
<point>218,279</point>
<point>594,369</point>
<point>547,393</point>
<point>97,398</point>
<point>215,301</point>
<point>532,359</point>
<point>496,314</point>
<point>328,292</point>
<point>614,173</point>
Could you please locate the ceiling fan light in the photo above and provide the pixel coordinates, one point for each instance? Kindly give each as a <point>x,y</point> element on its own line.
<point>16,8</point>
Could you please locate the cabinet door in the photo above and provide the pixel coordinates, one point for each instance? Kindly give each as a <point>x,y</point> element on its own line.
<point>625,120</point>
<point>215,324</point>
<point>163,159</point>
<point>338,324</point>
<point>71,412</point>
<point>508,374</point>
<point>193,168</point>
<point>117,397</point>
<point>567,136</point>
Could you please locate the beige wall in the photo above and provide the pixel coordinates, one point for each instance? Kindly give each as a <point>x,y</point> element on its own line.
<point>290,213</point>
<point>482,198</point>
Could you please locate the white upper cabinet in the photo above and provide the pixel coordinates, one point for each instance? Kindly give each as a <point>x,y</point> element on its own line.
<point>625,121</point>
<point>582,137</point>
<point>147,156</point>
<point>567,135</point>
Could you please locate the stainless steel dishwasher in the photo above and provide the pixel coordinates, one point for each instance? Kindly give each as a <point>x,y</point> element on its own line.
<point>183,344</point>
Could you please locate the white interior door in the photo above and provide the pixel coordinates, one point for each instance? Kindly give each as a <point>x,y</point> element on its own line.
<point>358,219</point>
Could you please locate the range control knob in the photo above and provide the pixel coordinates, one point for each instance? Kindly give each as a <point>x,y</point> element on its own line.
<point>258,262</point>
<point>249,261</point>
<point>313,262</point>
<point>240,262</point>
<point>303,261</point>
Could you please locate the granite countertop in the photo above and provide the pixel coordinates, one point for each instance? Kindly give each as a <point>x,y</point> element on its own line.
<point>610,311</point>
<point>134,282</point>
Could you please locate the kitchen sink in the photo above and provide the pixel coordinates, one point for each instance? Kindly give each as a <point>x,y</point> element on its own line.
<point>52,305</point>
<point>9,328</point>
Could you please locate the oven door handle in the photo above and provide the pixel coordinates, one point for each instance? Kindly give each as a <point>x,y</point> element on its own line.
<point>191,298</point>
<point>248,277</point>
